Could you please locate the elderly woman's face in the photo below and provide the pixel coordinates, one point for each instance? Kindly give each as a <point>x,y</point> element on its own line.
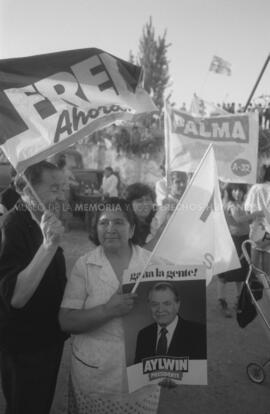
<point>113,229</point>
<point>143,206</point>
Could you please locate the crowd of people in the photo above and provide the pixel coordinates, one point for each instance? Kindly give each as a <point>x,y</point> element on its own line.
<point>40,308</point>
<point>262,108</point>
<point>147,140</point>
<point>263,111</point>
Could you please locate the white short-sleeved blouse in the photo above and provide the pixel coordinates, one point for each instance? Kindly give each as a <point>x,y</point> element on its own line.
<point>101,351</point>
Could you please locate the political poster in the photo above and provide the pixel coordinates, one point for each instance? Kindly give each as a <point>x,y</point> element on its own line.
<point>166,330</point>
<point>234,138</point>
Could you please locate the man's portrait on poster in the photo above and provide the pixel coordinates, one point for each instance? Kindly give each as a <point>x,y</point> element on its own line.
<point>170,334</point>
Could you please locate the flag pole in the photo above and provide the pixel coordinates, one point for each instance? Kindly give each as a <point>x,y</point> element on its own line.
<point>171,218</point>
<point>167,142</point>
<point>257,82</point>
<point>40,202</point>
<point>202,90</point>
<point>206,76</point>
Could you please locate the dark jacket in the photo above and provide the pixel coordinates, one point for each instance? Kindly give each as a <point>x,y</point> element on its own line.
<point>34,326</point>
<point>142,229</point>
<point>9,197</point>
<point>189,340</point>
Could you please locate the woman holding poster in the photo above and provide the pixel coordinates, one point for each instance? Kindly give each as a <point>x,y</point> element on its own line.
<point>92,310</point>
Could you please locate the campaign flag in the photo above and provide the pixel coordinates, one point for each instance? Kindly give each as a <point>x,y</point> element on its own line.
<point>197,231</point>
<point>220,66</point>
<point>234,137</point>
<point>201,108</point>
<point>48,102</point>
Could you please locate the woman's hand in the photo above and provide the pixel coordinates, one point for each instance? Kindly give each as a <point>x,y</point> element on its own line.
<point>120,304</point>
<point>52,229</point>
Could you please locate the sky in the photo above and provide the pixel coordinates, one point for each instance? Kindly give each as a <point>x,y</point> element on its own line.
<point>236,30</point>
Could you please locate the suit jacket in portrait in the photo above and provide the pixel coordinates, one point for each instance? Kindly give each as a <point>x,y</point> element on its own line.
<point>189,340</point>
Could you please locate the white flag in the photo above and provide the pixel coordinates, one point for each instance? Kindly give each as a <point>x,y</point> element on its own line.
<point>201,108</point>
<point>197,232</point>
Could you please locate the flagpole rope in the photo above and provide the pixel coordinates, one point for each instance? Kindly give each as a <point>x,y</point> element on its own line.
<point>171,218</point>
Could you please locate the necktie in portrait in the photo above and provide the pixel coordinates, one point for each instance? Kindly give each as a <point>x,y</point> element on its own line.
<point>162,342</point>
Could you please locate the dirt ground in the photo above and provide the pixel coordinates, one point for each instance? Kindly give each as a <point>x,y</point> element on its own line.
<point>230,349</point>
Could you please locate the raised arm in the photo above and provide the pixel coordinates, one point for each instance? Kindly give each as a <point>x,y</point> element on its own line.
<point>240,218</point>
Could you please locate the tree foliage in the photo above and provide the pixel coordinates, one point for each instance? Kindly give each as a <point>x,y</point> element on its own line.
<point>152,57</point>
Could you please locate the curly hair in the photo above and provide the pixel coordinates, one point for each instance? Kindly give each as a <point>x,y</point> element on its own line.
<point>138,190</point>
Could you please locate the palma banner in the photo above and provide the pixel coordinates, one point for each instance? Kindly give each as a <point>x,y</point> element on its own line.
<point>234,138</point>
<point>48,102</point>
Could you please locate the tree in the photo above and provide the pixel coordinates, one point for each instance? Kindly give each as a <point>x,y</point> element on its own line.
<point>153,58</point>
